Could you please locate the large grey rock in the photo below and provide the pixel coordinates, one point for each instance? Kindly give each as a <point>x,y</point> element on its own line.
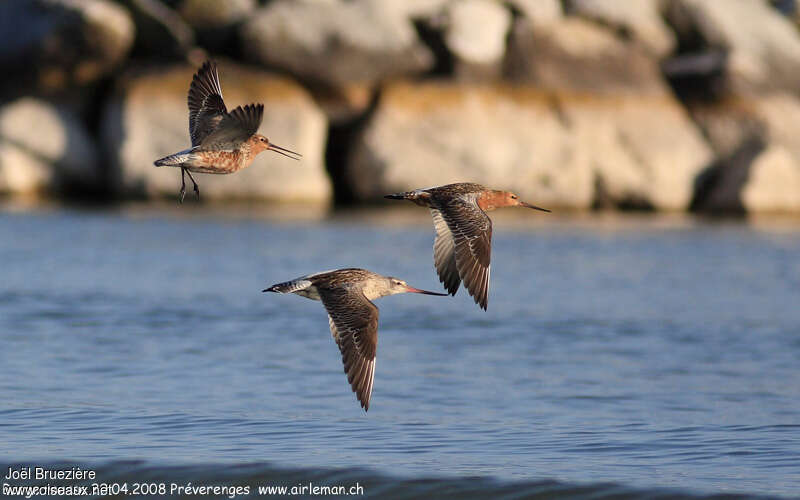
<point>621,116</point>
<point>642,19</point>
<point>764,178</point>
<point>433,134</point>
<point>773,184</point>
<point>416,9</point>
<point>160,30</point>
<point>643,150</point>
<point>635,141</point>
<point>759,149</point>
<point>216,14</point>
<point>753,121</point>
<point>763,46</point>
<point>44,149</point>
<point>56,43</point>
<point>576,55</point>
<point>476,35</point>
<point>148,119</point>
<point>217,22</point>
<point>336,42</point>
<point>539,12</point>
<point>726,125</point>
<point>556,151</point>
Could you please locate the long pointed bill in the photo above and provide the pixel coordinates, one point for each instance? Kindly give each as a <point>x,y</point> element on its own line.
<point>398,196</point>
<point>285,152</point>
<point>411,289</point>
<point>523,204</point>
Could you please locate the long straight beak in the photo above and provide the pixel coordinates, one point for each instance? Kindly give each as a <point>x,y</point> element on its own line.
<point>524,204</point>
<point>285,152</point>
<point>398,196</point>
<point>411,289</point>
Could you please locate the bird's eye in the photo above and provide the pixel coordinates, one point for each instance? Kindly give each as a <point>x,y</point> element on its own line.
<point>513,197</point>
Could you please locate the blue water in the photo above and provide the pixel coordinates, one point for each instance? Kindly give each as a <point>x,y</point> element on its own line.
<point>651,353</point>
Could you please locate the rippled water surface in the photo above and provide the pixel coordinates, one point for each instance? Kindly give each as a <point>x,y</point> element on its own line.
<point>645,353</point>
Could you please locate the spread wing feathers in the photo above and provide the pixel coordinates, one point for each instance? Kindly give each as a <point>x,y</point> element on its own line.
<point>354,325</point>
<point>444,256</point>
<point>206,107</point>
<point>472,235</point>
<point>236,127</point>
<point>290,286</point>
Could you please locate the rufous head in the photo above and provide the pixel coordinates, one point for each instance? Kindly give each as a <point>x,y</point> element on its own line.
<point>499,199</point>
<point>259,143</point>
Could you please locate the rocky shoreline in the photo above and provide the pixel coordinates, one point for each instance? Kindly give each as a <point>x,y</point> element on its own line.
<point>666,105</point>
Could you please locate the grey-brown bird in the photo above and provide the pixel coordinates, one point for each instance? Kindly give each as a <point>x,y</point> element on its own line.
<point>347,295</point>
<point>222,142</point>
<point>463,245</point>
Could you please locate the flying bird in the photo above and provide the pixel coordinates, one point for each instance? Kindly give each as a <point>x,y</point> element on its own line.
<point>222,142</point>
<point>463,245</point>
<point>347,295</point>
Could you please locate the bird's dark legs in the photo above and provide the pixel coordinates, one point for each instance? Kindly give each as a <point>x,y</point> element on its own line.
<point>183,185</point>
<point>184,173</point>
<point>196,189</point>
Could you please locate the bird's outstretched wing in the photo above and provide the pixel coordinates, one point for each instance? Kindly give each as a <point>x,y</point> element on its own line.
<point>471,230</point>
<point>444,254</point>
<point>354,325</point>
<point>206,107</point>
<point>235,127</point>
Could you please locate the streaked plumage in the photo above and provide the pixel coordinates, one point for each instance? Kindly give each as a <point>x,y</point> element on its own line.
<point>463,245</point>
<point>347,295</point>
<point>222,142</point>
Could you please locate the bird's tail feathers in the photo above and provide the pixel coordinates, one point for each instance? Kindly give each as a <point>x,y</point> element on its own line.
<point>407,195</point>
<point>174,160</point>
<point>418,196</point>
